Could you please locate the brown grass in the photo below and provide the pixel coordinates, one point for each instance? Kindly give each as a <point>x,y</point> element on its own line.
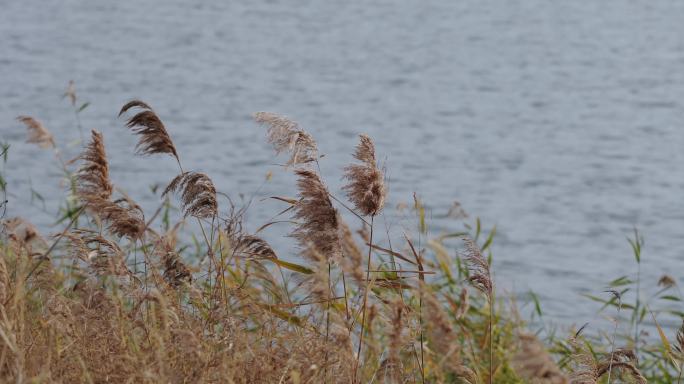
<point>111,300</point>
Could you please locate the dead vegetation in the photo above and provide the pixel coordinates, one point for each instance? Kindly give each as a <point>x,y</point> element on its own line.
<point>110,300</point>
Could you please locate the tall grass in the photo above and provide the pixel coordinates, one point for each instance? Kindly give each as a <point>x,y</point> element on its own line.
<point>110,299</point>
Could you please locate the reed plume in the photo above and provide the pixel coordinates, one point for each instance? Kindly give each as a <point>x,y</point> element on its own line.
<point>464,304</point>
<point>93,176</point>
<point>70,93</point>
<point>666,281</point>
<point>123,217</point>
<point>626,361</point>
<point>585,369</point>
<point>153,135</point>
<point>286,135</point>
<point>478,266</point>
<point>37,133</point>
<point>197,194</point>
<point>317,226</point>
<point>366,190</point>
<point>366,187</point>
<point>481,278</point>
<point>679,347</point>
<point>680,338</point>
<point>176,272</point>
<point>103,256</point>
<point>533,363</point>
<point>253,247</point>
<point>23,233</point>
<point>441,332</point>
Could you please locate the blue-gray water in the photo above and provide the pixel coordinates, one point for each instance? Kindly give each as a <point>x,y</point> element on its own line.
<point>561,122</point>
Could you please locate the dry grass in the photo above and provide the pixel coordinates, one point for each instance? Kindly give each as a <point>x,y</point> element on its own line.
<point>111,300</point>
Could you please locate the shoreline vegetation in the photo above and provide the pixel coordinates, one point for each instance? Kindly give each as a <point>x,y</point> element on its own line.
<point>109,299</point>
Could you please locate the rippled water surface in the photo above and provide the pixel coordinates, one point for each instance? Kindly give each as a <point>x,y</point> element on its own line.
<point>560,122</point>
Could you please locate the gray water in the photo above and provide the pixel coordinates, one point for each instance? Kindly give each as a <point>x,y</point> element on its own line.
<point>560,122</point>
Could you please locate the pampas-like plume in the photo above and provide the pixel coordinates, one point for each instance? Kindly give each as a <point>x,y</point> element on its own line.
<point>23,233</point>
<point>667,281</point>
<point>197,194</point>
<point>623,360</point>
<point>286,135</point>
<point>534,364</point>
<point>104,257</point>
<point>318,225</point>
<point>253,247</point>
<point>478,266</point>
<point>176,273</point>
<point>680,340</point>
<point>123,217</point>
<point>93,176</point>
<point>37,133</point>
<point>366,188</point>
<point>153,135</point>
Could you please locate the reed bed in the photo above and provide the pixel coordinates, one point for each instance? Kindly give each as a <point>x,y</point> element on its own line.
<point>109,299</point>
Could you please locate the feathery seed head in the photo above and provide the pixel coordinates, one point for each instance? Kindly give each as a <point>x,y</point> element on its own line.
<point>153,135</point>
<point>197,193</point>
<point>286,135</point>
<point>37,133</point>
<point>366,187</point>
<point>318,225</point>
<point>93,176</point>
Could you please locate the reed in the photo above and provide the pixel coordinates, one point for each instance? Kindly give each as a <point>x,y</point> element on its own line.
<point>82,306</point>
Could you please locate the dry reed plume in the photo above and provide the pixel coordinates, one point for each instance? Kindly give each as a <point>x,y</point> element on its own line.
<point>480,275</point>
<point>123,217</point>
<point>93,177</point>
<point>366,188</point>
<point>197,193</point>
<point>533,362</point>
<point>37,133</point>
<point>86,306</point>
<point>153,135</point>
<point>175,272</point>
<point>317,227</point>
<point>254,247</point>
<point>286,135</point>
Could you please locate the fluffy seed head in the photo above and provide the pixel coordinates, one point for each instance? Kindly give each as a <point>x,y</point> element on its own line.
<point>478,266</point>
<point>253,247</point>
<point>93,176</point>
<point>103,256</point>
<point>153,135</point>
<point>123,217</point>
<point>197,193</point>
<point>534,364</point>
<point>286,136</point>
<point>318,226</point>
<point>176,273</point>
<point>37,133</point>
<point>366,187</point>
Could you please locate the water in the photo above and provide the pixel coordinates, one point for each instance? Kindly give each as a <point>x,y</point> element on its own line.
<point>561,122</point>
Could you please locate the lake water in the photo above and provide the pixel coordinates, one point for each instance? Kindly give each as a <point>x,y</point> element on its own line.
<point>560,122</point>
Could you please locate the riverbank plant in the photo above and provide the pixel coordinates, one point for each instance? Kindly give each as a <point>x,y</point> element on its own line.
<point>111,298</point>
